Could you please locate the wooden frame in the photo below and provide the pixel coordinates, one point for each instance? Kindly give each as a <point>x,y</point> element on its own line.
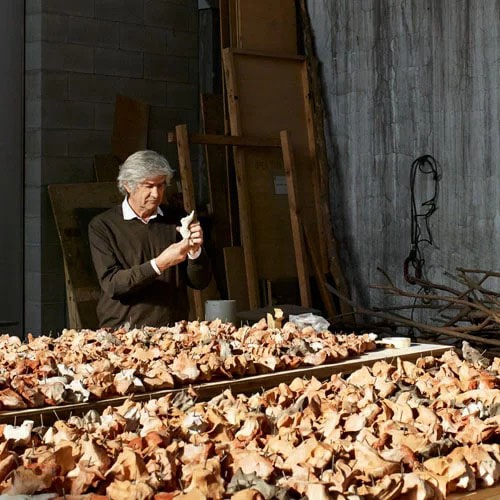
<point>188,197</point>
<point>295,219</point>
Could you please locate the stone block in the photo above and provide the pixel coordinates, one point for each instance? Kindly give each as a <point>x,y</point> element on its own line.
<point>95,88</point>
<point>32,230</point>
<point>53,287</point>
<point>93,32</point>
<point>33,27</point>
<point>67,57</point>
<point>104,117</point>
<point>32,258</point>
<point>33,141</point>
<point>33,171</point>
<point>33,6</point>
<point>168,15</point>
<point>143,38</point>
<point>33,84</point>
<point>53,318</point>
<point>52,257</point>
<point>118,62</point>
<point>168,68</point>
<point>182,43</point>
<point>82,8</point>
<point>33,286</point>
<point>194,69</point>
<point>182,95</point>
<point>33,56</point>
<point>151,91</point>
<point>87,143</point>
<point>33,113</point>
<point>67,114</point>
<point>55,85</point>
<point>55,28</point>
<point>67,170</point>
<point>55,142</point>
<point>125,11</point>
<point>32,201</point>
<point>32,317</point>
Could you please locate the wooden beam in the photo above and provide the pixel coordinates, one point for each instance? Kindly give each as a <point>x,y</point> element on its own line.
<point>271,55</point>
<point>221,186</point>
<point>186,174</point>
<point>297,234</point>
<point>229,140</point>
<point>246,227</point>
<point>326,296</point>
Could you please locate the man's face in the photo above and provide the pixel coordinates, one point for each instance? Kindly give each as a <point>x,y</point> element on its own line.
<point>148,195</point>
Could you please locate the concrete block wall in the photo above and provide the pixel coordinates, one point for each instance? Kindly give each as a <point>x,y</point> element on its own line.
<point>79,55</point>
<point>402,79</point>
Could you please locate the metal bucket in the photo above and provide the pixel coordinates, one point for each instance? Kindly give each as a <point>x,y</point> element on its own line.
<point>225,310</point>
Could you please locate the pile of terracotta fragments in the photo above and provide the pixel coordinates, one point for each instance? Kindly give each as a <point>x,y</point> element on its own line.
<point>88,365</point>
<point>418,430</point>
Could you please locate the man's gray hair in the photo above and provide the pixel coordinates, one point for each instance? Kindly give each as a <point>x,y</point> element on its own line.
<point>140,166</point>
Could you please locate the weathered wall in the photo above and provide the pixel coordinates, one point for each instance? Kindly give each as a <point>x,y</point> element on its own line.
<point>403,78</point>
<point>79,55</point>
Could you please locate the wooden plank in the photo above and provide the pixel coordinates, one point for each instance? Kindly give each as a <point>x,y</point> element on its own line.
<point>225,38</point>
<point>243,191</point>
<point>326,296</point>
<point>266,25</point>
<point>267,55</point>
<point>221,186</point>
<point>247,385</point>
<point>266,95</point>
<point>106,167</point>
<point>130,128</point>
<point>317,188</point>
<point>229,140</point>
<point>294,203</point>
<point>234,265</point>
<point>233,20</point>
<point>73,206</point>
<point>188,196</point>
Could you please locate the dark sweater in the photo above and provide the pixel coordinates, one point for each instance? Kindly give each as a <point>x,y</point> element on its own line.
<point>131,290</point>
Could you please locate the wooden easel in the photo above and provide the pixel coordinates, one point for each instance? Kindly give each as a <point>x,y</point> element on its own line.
<point>183,139</point>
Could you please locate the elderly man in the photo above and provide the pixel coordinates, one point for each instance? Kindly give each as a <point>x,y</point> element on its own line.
<point>143,266</point>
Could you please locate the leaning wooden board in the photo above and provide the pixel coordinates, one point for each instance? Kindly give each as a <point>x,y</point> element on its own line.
<point>268,94</point>
<point>242,385</point>
<point>73,206</point>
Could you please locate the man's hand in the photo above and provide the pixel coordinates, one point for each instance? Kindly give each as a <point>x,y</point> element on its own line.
<point>195,238</point>
<point>173,255</point>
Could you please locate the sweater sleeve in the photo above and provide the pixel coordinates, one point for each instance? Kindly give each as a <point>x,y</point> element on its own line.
<point>115,280</point>
<point>199,271</point>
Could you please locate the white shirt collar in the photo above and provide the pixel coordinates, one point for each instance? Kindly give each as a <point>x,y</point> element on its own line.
<point>129,214</point>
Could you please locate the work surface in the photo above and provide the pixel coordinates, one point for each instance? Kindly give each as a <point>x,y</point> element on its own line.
<point>241,385</point>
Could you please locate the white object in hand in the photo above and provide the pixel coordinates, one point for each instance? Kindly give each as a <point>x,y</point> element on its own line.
<point>185,222</point>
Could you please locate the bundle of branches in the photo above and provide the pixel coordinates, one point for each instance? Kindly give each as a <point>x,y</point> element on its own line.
<point>469,312</point>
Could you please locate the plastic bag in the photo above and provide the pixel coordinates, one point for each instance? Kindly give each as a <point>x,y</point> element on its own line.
<point>308,319</point>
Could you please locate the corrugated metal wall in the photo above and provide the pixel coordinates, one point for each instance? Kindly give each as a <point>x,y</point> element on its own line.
<point>403,78</point>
